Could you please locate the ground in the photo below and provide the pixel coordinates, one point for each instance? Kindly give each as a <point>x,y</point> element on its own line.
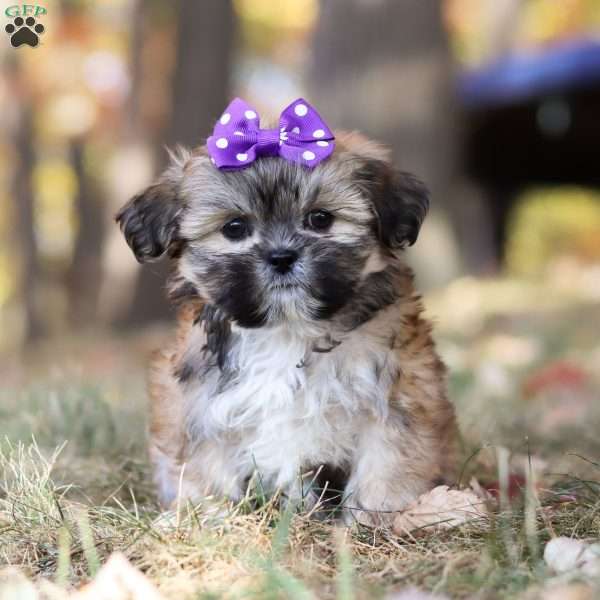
<point>524,359</point>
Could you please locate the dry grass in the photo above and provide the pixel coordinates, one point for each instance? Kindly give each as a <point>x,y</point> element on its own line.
<point>63,512</point>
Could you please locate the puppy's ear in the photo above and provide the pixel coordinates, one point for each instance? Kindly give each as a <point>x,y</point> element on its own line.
<point>400,202</point>
<point>150,220</point>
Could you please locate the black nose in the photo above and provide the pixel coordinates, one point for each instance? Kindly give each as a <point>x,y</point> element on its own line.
<point>282,260</point>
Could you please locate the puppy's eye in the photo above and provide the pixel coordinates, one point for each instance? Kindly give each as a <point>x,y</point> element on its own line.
<point>236,229</point>
<point>319,220</point>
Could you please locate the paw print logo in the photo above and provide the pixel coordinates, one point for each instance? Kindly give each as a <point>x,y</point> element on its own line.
<point>24,31</point>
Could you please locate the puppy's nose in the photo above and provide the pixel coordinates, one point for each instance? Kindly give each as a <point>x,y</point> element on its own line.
<point>282,259</point>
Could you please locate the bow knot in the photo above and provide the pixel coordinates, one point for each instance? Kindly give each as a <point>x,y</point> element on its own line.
<point>237,141</point>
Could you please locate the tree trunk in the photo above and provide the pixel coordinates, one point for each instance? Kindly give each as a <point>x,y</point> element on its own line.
<point>84,276</point>
<point>201,82</point>
<point>138,23</point>
<point>385,68</point>
<point>24,213</point>
<point>200,92</point>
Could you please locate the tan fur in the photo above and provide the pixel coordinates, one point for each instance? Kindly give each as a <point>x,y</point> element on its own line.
<point>168,439</point>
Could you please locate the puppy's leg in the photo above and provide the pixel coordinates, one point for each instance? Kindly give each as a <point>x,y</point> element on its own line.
<point>396,461</point>
<point>185,469</point>
<point>167,443</point>
<point>388,473</point>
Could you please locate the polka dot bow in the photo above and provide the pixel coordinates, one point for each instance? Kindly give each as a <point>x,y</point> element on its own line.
<point>237,140</point>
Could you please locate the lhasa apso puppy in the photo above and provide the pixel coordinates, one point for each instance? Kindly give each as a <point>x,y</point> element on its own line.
<point>301,357</point>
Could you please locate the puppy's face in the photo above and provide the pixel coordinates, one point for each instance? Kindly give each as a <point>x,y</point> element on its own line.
<point>277,241</point>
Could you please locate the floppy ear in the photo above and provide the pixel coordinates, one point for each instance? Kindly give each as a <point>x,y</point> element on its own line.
<point>150,220</point>
<point>400,202</point>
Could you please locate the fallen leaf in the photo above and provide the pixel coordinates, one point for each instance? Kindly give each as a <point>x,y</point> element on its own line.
<point>563,554</point>
<point>440,508</point>
<point>118,580</point>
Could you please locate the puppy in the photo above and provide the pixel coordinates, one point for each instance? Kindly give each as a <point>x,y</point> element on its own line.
<point>301,346</point>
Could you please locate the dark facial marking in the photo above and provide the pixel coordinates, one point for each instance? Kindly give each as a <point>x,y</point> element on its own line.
<point>234,289</point>
<point>336,272</point>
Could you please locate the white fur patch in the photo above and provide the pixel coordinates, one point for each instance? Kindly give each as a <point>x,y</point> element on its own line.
<point>289,407</point>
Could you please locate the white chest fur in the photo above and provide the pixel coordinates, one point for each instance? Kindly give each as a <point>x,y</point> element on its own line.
<point>288,407</point>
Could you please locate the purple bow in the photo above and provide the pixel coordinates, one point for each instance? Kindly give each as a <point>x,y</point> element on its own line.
<point>237,140</point>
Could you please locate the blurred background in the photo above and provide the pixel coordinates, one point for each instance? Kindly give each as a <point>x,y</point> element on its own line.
<point>494,103</point>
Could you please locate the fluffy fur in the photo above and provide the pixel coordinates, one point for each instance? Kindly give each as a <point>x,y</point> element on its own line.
<point>328,368</point>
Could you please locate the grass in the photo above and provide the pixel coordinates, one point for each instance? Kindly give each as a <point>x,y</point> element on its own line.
<point>75,485</point>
